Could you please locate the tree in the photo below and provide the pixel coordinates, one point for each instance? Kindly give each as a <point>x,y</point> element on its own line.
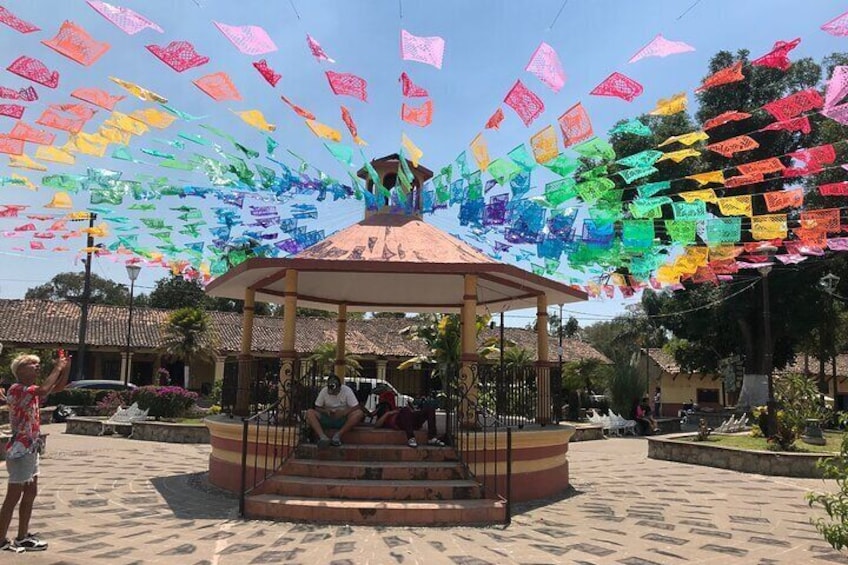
<point>187,335</point>
<point>835,504</point>
<point>389,315</point>
<point>69,286</point>
<point>325,357</point>
<point>175,291</point>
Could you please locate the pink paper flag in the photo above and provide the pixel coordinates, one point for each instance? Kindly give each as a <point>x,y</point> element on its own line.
<point>97,97</point>
<point>526,104</point>
<point>34,70</point>
<point>778,57</point>
<point>546,66</point>
<point>661,47</point>
<point>317,50</point>
<point>128,21</point>
<point>427,50</point>
<point>16,23</point>
<point>838,26</point>
<point>12,110</point>
<point>837,87</point>
<point>76,44</point>
<point>250,40</point>
<point>27,94</point>
<point>347,84</point>
<point>410,89</point>
<point>267,72</point>
<point>179,55</point>
<point>620,86</point>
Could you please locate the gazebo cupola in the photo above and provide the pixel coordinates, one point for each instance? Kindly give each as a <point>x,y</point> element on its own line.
<point>389,169</point>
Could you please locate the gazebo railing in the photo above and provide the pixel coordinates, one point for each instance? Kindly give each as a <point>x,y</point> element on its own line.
<point>275,431</point>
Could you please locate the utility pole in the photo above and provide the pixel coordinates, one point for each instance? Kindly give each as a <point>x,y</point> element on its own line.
<point>86,297</point>
<point>768,363</point>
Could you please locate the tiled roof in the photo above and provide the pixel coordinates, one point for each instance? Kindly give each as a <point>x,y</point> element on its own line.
<point>664,360</point>
<point>667,363</point>
<point>41,322</point>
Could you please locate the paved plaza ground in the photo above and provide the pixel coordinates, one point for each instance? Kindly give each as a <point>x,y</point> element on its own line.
<point>114,500</point>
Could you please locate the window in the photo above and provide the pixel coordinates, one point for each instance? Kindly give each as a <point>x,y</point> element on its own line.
<point>707,396</point>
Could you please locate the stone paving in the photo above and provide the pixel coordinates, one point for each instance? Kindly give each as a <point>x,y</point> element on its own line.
<point>114,500</point>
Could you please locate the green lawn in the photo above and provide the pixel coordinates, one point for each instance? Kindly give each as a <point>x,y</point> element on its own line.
<point>184,421</point>
<point>745,441</point>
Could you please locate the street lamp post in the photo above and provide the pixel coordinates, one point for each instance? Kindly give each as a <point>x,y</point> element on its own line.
<point>132,271</point>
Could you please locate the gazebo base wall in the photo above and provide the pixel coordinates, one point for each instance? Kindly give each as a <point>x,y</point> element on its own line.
<point>539,458</point>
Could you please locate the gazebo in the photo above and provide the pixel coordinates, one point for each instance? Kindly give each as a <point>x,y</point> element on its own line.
<point>394,262</point>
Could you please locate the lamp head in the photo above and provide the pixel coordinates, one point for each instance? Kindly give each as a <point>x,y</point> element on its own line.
<point>829,282</point>
<point>132,271</point>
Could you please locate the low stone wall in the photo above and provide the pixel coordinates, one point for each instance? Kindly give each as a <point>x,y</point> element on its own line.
<point>46,415</point>
<point>587,432</point>
<point>170,432</point>
<point>675,448</point>
<point>146,431</point>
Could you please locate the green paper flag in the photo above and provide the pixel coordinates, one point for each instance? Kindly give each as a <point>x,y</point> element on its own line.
<point>636,173</point>
<point>696,210</point>
<point>647,190</point>
<point>563,165</point>
<point>596,148</point>
<point>559,191</point>
<point>503,170</point>
<point>681,231</point>
<point>724,230</point>
<point>521,157</point>
<point>641,159</point>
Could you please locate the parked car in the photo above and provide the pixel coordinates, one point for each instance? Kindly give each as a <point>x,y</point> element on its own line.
<point>367,391</point>
<point>101,384</point>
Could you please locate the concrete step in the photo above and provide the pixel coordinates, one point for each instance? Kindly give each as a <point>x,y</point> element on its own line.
<point>374,512</point>
<point>373,490</point>
<point>374,452</point>
<point>378,436</point>
<point>375,470</point>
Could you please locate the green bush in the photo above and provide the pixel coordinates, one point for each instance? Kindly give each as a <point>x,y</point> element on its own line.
<point>76,397</point>
<point>164,401</point>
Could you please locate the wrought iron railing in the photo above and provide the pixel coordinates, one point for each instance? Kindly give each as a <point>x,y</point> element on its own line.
<point>277,428</point>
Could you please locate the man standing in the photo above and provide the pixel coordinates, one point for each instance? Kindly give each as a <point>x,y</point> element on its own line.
<point>336,407</point>
<point>657,403</point>
<point>22,450</point>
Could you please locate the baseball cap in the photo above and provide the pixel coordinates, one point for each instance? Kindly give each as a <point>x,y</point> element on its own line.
<point>333,383</point>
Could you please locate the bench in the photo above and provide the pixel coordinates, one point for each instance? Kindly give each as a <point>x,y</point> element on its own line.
<point>124,417</point>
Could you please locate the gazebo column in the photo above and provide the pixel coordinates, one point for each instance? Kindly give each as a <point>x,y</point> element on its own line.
<point>469,358</point>
<point>341,329</point>
<point>288,355</point>
<point>543,366</point>
<point>245,359</point>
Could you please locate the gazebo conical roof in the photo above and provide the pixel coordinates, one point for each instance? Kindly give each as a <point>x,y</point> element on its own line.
<point>391,262</point>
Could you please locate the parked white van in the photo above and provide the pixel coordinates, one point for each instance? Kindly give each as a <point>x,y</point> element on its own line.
<point>364,388</point>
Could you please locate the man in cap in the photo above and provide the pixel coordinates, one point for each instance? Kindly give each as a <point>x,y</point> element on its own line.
<point>335,408</point>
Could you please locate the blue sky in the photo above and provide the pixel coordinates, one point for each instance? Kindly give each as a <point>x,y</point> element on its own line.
<point>488,44</point>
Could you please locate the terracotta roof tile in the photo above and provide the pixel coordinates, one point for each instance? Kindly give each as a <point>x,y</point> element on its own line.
<point>40,322</point>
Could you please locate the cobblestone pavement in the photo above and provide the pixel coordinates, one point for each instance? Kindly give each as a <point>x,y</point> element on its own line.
<point>114,500</point>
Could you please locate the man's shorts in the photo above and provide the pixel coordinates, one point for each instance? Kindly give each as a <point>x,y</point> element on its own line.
<point>22,469</point>
<point>328,421</point>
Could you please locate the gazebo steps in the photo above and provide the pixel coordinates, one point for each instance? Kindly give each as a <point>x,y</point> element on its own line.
<point>375,478</point>
<point>376,512</point>
<point>375,453</point>
<point>368,470</point>
<point>371,490</point>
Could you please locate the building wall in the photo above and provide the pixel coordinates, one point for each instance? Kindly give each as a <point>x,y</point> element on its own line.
<point>684,390</point>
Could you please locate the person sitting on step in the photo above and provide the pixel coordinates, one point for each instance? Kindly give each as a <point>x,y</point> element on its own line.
<point>335,408</point>
<point>406,419</point>
<point>644,416</point>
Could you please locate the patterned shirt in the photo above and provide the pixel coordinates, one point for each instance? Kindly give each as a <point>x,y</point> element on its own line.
<point>25,418</point>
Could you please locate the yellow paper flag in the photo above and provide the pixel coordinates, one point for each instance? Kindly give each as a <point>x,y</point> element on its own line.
<point>736,205</point>
<point>768,226</point>
<point>413,151</point>
<point>480,151</point>
<point>544,145</point>
<point>90,143</point>
<point>139,91</point>
<point>324,131</point>
<point>256,119</point>
<point>678,156</point>
<point>707,195</point>
<point>670,106</point>
<point>706,178</point>
<point>686,139</point>
<point>126,123</point>
<point>54,154</point>
<point>24,162</point>
<point>154,118</point>
<point>113,135</point>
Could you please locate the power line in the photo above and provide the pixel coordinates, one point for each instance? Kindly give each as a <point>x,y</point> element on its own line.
<point>561,8</point>
<point>687,10</point>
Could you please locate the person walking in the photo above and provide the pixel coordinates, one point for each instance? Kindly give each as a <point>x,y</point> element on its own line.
<point>22,450</point>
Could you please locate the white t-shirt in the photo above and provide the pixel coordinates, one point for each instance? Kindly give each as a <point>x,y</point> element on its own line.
<point>345,397</point>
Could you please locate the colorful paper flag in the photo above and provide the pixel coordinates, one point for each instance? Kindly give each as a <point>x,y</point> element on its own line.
<point>661,47</point>
<point>179,55</point>
<point>348,84</point>
<point>128,21</point>
<point>545,64</point>
<point>317,50</point>
<point>249,39</point>
<point>427,50</point>
<point>619,86</point>
<point>575,125</point>
<point>526,104</point>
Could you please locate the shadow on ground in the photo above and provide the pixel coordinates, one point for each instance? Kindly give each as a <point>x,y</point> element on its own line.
<point>191,496</point>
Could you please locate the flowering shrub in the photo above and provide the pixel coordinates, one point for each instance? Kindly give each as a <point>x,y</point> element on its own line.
<point>110,403</point>
<point>164,401</point>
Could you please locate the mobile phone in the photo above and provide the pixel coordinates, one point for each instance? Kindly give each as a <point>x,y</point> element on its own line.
<point>61,353</point>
